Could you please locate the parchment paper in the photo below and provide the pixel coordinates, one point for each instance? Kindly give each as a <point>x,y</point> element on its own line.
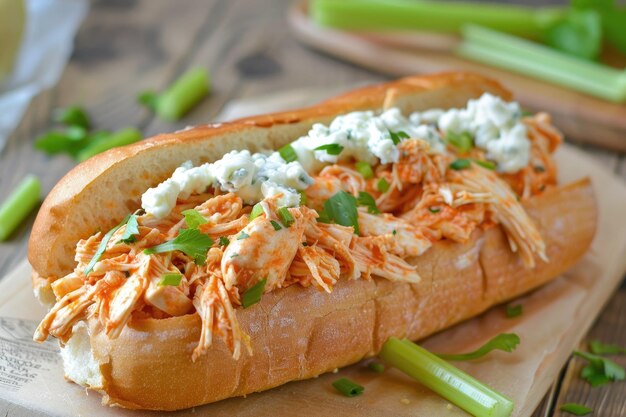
<point>555,319</point>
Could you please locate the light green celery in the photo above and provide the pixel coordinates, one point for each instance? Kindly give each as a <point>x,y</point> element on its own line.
<point>431,15</point>
<point>120,138</point>
<point>18,205</point>
<point>529,58</point>
<point>451,383</point>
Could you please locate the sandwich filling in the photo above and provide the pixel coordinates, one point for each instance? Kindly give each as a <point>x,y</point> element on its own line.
<point>351,200</point>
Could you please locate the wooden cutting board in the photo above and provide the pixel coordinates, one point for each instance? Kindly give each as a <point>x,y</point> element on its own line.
<point>582,118</point>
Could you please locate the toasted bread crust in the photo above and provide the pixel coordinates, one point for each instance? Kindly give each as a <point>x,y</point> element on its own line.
<point>296,332</point>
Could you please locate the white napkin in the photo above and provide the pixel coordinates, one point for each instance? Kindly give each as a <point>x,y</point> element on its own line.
<point>46,47</point>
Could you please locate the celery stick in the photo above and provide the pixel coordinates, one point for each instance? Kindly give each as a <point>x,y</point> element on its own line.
<point>119,138</point>
<point>19,204</point>
<point>431,15</point>
<point>446,380</point>
<point>519,55</point>
<point>185,93</point>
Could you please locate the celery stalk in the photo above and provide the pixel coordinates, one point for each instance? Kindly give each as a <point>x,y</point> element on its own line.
<point>444,379</point>
<point>120,138</point>
<point>529,58</point>
<point>18,205</point>
<point>431,15</point>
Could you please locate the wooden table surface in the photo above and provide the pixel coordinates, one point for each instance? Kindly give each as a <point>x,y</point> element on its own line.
<point>126,46</point>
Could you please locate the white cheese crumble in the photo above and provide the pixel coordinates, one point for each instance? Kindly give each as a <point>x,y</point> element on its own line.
<point>252,177</point>
<point>495,125</point>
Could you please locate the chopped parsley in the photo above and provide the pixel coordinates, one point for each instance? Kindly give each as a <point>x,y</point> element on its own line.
<point>288,153</point>
<point>599,370</point>
<point>191,242</point>
<point>257,210</point>
<point>103,245</point>
<point>382,185</point>
<point>460,164</point>
<point>463,142</point>
<point>576,409</point>
<point>341,208</point>
<point>172,279</point>
<point>276,225</point>
<point>364,169</point>
<point>599,348</point>
<point>514,311</point>
<point>397,137</point>
<point>193,218</point>
<point>366,200</point>
<point>331,148</point>
<point>486,164</point>
<point>348,388</point>
<point>224,241</point>
<point>253,294</point>
<point>131,231</point>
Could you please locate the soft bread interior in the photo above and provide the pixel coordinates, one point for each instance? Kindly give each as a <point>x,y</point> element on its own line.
<point>79,363</point>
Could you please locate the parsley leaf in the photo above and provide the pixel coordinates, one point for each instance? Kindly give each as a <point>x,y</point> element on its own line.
<point>132,229</point>
<point>486,164</point>
<point>224,241</point>
<point>576,409</point>
<point>191,242</point>
<point>288,153</point>
<point>331,148</point>
<point>463,142</point>
<point>103,245</point>
<point>460,164</point>
<point>605,349</point>
<point>365,199</point>
<point>172,279</point>
<point>514,311</point>
<point>600,370</point>
<point>397,137</point>
<point>193,219</point>
<point>382,185</point>
<point>72,116</point>
<point>364,169</point>
<point>505,341</point>
<point>342,209</point>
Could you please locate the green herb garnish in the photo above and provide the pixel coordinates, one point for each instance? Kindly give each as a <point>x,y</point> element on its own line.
<point>331,148</point>
<point>377,367</point>
<point>397,137</point>
<point>243,235</point>
<point>434,210</point>
<point>275,225</point>
<point>191,242</point>
<point>486,164</point>
<point>348,388</point>
<point>285,216</point>
<point>366,200</point>
<point>460,164</point>
<point>288,153</point>
<point>461,141</point>
<point>132,229</point>
<point>364,169</point>
<point>599,348</point>
<point>505,341</point>
<point>341,208</point>
<point>576,409</point>
<point>103,245</point>
<point>382,185</point>
<point>72,116</point>
<point>514,311</point>
<point>193,218</point>
<point>599,370</point>
<point>257,210</point>
<point>253,294</point>
<point>172,279</point>
<point>224,241</point>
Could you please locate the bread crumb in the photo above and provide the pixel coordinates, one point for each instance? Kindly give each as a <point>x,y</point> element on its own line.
<point>405,401</point>
<point>335,370</point>
<point>449,406</point>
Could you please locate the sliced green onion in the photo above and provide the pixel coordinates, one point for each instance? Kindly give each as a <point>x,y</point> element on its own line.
<point>18,205</point>
<point>285,217</point>
<point>377,367</point>
<point>451,383</point>
<point>275,225</point>
<point>120,138</point>
<point>460,164</point>
<point>364,169</point>
<point>365,199</point>
<point>72,116</point>
<point>486,164</point>
<point>514,311</point>
<point>462,141</point>
<point>193,219</point>
<point>542,62</point>
<point>576,409</point>
<point>348,388</point>
<point>103,245</point>
<point>148,99</point>
<point>427,15</point>
<point>434,210</point>
<point>303,198</point>
<point>331,148</point>
<point>382,185</point>
<point>172,279</point>
<point>253,294</point>
<point>506,342</point>
<point>288,153</point>
<point>187,91</point>
<point>257,210</point>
